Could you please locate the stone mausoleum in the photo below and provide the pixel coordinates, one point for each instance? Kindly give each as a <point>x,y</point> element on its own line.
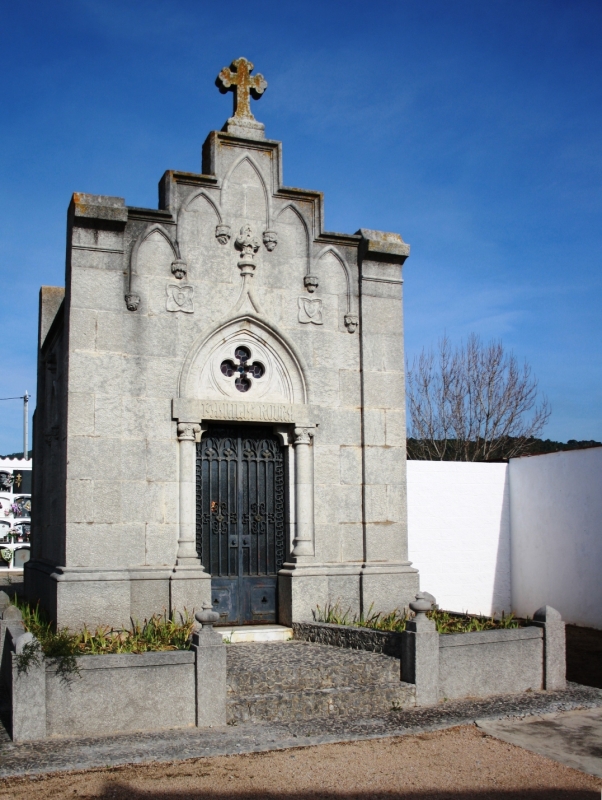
<point>221,401</point>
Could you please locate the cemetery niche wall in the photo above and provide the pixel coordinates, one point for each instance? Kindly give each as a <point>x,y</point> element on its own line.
<point>221,408</point>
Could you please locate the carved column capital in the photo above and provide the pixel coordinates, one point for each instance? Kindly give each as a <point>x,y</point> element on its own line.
<point>187,431</point>
<point>303,435</point>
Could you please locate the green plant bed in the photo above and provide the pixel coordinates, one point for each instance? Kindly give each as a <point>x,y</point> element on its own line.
<point>159,633</point>
<point>446,621</point>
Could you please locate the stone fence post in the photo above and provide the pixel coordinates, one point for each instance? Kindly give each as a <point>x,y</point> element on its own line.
<point>4,604</point>
<point>11,623</point>
<point>28,691</point>
<point>420,652</point>
<point>210,671</point>
<point>25,683</point>
<point>554,647</point>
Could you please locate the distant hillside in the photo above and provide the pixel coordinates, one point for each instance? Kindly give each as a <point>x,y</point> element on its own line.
<point>533,447</point>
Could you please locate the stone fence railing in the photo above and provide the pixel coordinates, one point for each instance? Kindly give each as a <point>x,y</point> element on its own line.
<point>450,666</point>
<point>110,693</point>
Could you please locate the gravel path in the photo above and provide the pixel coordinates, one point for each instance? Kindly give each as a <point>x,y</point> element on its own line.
<point>457,764</point>
<point>78,754</point>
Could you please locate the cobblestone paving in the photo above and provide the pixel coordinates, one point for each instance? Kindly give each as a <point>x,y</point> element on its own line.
<point>77,754</point>
<point>295,666</point>
<point>301,680</point>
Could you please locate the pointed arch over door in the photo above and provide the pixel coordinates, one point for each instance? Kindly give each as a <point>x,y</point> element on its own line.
<point>280,377</point>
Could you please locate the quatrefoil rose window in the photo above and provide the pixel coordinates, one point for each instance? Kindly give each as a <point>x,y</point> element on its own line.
<point>243,369</point>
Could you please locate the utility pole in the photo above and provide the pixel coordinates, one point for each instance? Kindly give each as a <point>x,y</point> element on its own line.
<point>25,422</point>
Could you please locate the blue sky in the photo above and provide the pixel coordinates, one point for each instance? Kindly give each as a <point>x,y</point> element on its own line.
<point>472,128</point>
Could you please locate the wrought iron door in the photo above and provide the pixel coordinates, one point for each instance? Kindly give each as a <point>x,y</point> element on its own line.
<point>240,521</point>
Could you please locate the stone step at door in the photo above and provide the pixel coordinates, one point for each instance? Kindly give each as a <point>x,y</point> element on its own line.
<point>288,681</point>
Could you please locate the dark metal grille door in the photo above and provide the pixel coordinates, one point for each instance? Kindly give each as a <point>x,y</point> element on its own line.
<point>240,521</point>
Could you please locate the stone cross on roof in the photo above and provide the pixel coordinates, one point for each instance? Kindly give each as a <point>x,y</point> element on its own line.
<point>238,79</point>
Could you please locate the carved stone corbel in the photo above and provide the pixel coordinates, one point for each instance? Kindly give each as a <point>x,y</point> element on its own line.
<point>311,283</point>
<point>132,301</point>
<point>270,240</point>
<point>222,233</point>
<point>351,322</point>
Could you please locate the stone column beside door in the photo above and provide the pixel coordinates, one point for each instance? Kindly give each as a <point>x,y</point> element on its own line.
<point>304,544</point>
<point>190,585</point>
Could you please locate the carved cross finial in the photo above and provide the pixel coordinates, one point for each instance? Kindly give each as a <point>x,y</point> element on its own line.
<point>238,78</point>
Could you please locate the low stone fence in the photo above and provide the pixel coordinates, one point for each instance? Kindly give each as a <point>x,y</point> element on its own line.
<point>452,666</point>
<point>388,643</point>
<point>110,693</point>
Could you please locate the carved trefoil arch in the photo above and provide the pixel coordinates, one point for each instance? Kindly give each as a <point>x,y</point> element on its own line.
<point>351,317</point>
<point>300,219</point>
<point>283,377</point>
<point>222,230</point>
<point>178,266</point>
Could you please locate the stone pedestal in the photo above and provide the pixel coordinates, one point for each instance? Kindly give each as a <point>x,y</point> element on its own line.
<point>554,646</point>
<point>210,671</point>
<point>189,589</point>
<point>420,654</point>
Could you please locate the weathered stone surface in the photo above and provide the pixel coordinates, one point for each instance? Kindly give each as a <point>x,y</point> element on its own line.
<point>490,662</point>
<point>299,680</point>
<point>55,755</point>
<point>210,676</point>
<point>386,642</point>
<point>157,300</point>
<point>28,698</point>
<point>112,694</point>
<point>554,646</point>
<point>420,659</point>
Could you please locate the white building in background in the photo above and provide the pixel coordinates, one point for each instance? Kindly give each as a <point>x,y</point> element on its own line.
<point>15,513</point>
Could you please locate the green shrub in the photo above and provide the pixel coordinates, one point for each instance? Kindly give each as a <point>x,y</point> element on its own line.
<point>158,633</point>
<point>446,621</point>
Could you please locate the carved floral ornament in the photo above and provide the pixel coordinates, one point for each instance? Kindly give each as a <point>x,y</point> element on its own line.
<point>188,431</point>
<point>223,234</point>
<point>310,310</point>
<point>248,244</point>
<point>180,297</point>
<point>304,435</point>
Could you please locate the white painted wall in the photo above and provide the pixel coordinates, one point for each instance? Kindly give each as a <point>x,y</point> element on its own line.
<point>459,533</point>
<point>556,523</point>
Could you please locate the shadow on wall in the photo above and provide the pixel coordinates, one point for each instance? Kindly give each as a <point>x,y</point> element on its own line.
<point>584,656</point>
<point>501,598</point>
<point>459,533</point>
<point>556,542</point>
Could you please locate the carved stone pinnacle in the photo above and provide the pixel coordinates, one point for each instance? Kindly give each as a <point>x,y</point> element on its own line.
<point>248,244</point>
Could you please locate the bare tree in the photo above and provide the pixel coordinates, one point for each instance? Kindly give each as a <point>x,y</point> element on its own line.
<point>474,403</point>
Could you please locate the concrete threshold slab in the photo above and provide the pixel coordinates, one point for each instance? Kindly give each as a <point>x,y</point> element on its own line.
<point>64,755</point>
<point>256,633</point>
<point>573,738</point>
